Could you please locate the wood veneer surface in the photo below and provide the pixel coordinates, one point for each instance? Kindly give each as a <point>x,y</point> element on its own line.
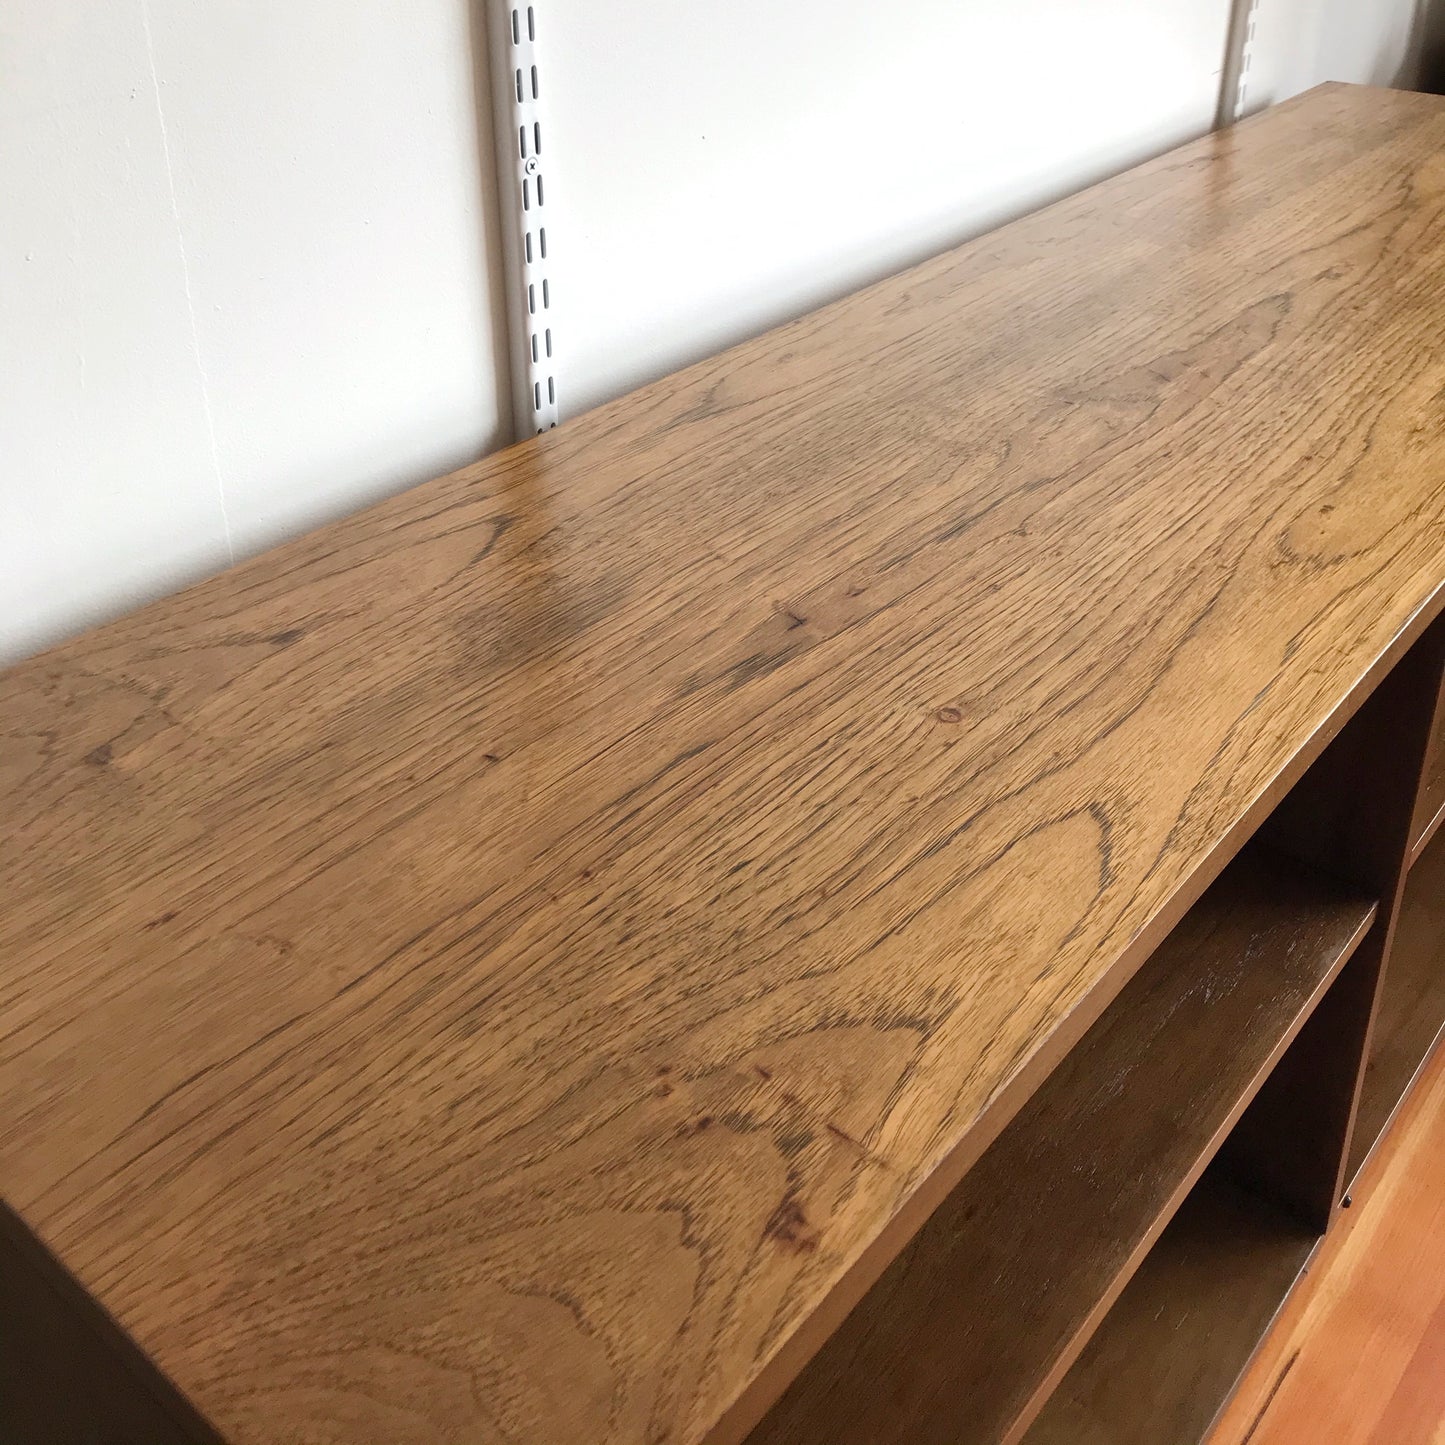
<point>988,1305</point>
<point>516,964</point>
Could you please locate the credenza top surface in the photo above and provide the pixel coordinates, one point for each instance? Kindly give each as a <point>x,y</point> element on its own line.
<point>512,964</point>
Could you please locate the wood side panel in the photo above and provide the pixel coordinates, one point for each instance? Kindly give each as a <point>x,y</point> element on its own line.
<point>1412,1001</point>
<point>688,838</point>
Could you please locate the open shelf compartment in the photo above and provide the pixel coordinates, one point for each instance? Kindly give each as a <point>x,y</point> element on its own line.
<point>1169,1353</point>
<point>967,1332</point>
<point>1411,1010</point>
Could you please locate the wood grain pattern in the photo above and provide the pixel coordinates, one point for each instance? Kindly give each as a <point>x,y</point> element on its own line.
<point>517,964</point>
<point>967,1330</point>
<point>1359,1356</point>
<point>1186,1327</point>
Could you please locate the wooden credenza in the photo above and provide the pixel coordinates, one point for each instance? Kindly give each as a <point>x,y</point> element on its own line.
<point>879,889</point>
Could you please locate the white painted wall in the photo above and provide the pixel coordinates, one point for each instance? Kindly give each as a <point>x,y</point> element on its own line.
<point>722,165</point>
<point>247,248</point>
<point>1299,43</point>
<point>245,282</point>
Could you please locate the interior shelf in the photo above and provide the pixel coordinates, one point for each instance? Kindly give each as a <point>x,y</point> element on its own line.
<point>1412,1001</point>
<point>962,1338</point>
<point>1170,1352</point>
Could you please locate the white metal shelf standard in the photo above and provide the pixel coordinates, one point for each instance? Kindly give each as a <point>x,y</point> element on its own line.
<point>1239,58</point>
<point>518,95</point>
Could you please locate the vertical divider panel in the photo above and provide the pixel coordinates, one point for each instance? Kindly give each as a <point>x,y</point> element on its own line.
<point>1430,810</point>
<point>1351,817</point>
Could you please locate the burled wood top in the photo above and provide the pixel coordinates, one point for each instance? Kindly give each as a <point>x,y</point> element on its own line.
<point>513,965</point>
